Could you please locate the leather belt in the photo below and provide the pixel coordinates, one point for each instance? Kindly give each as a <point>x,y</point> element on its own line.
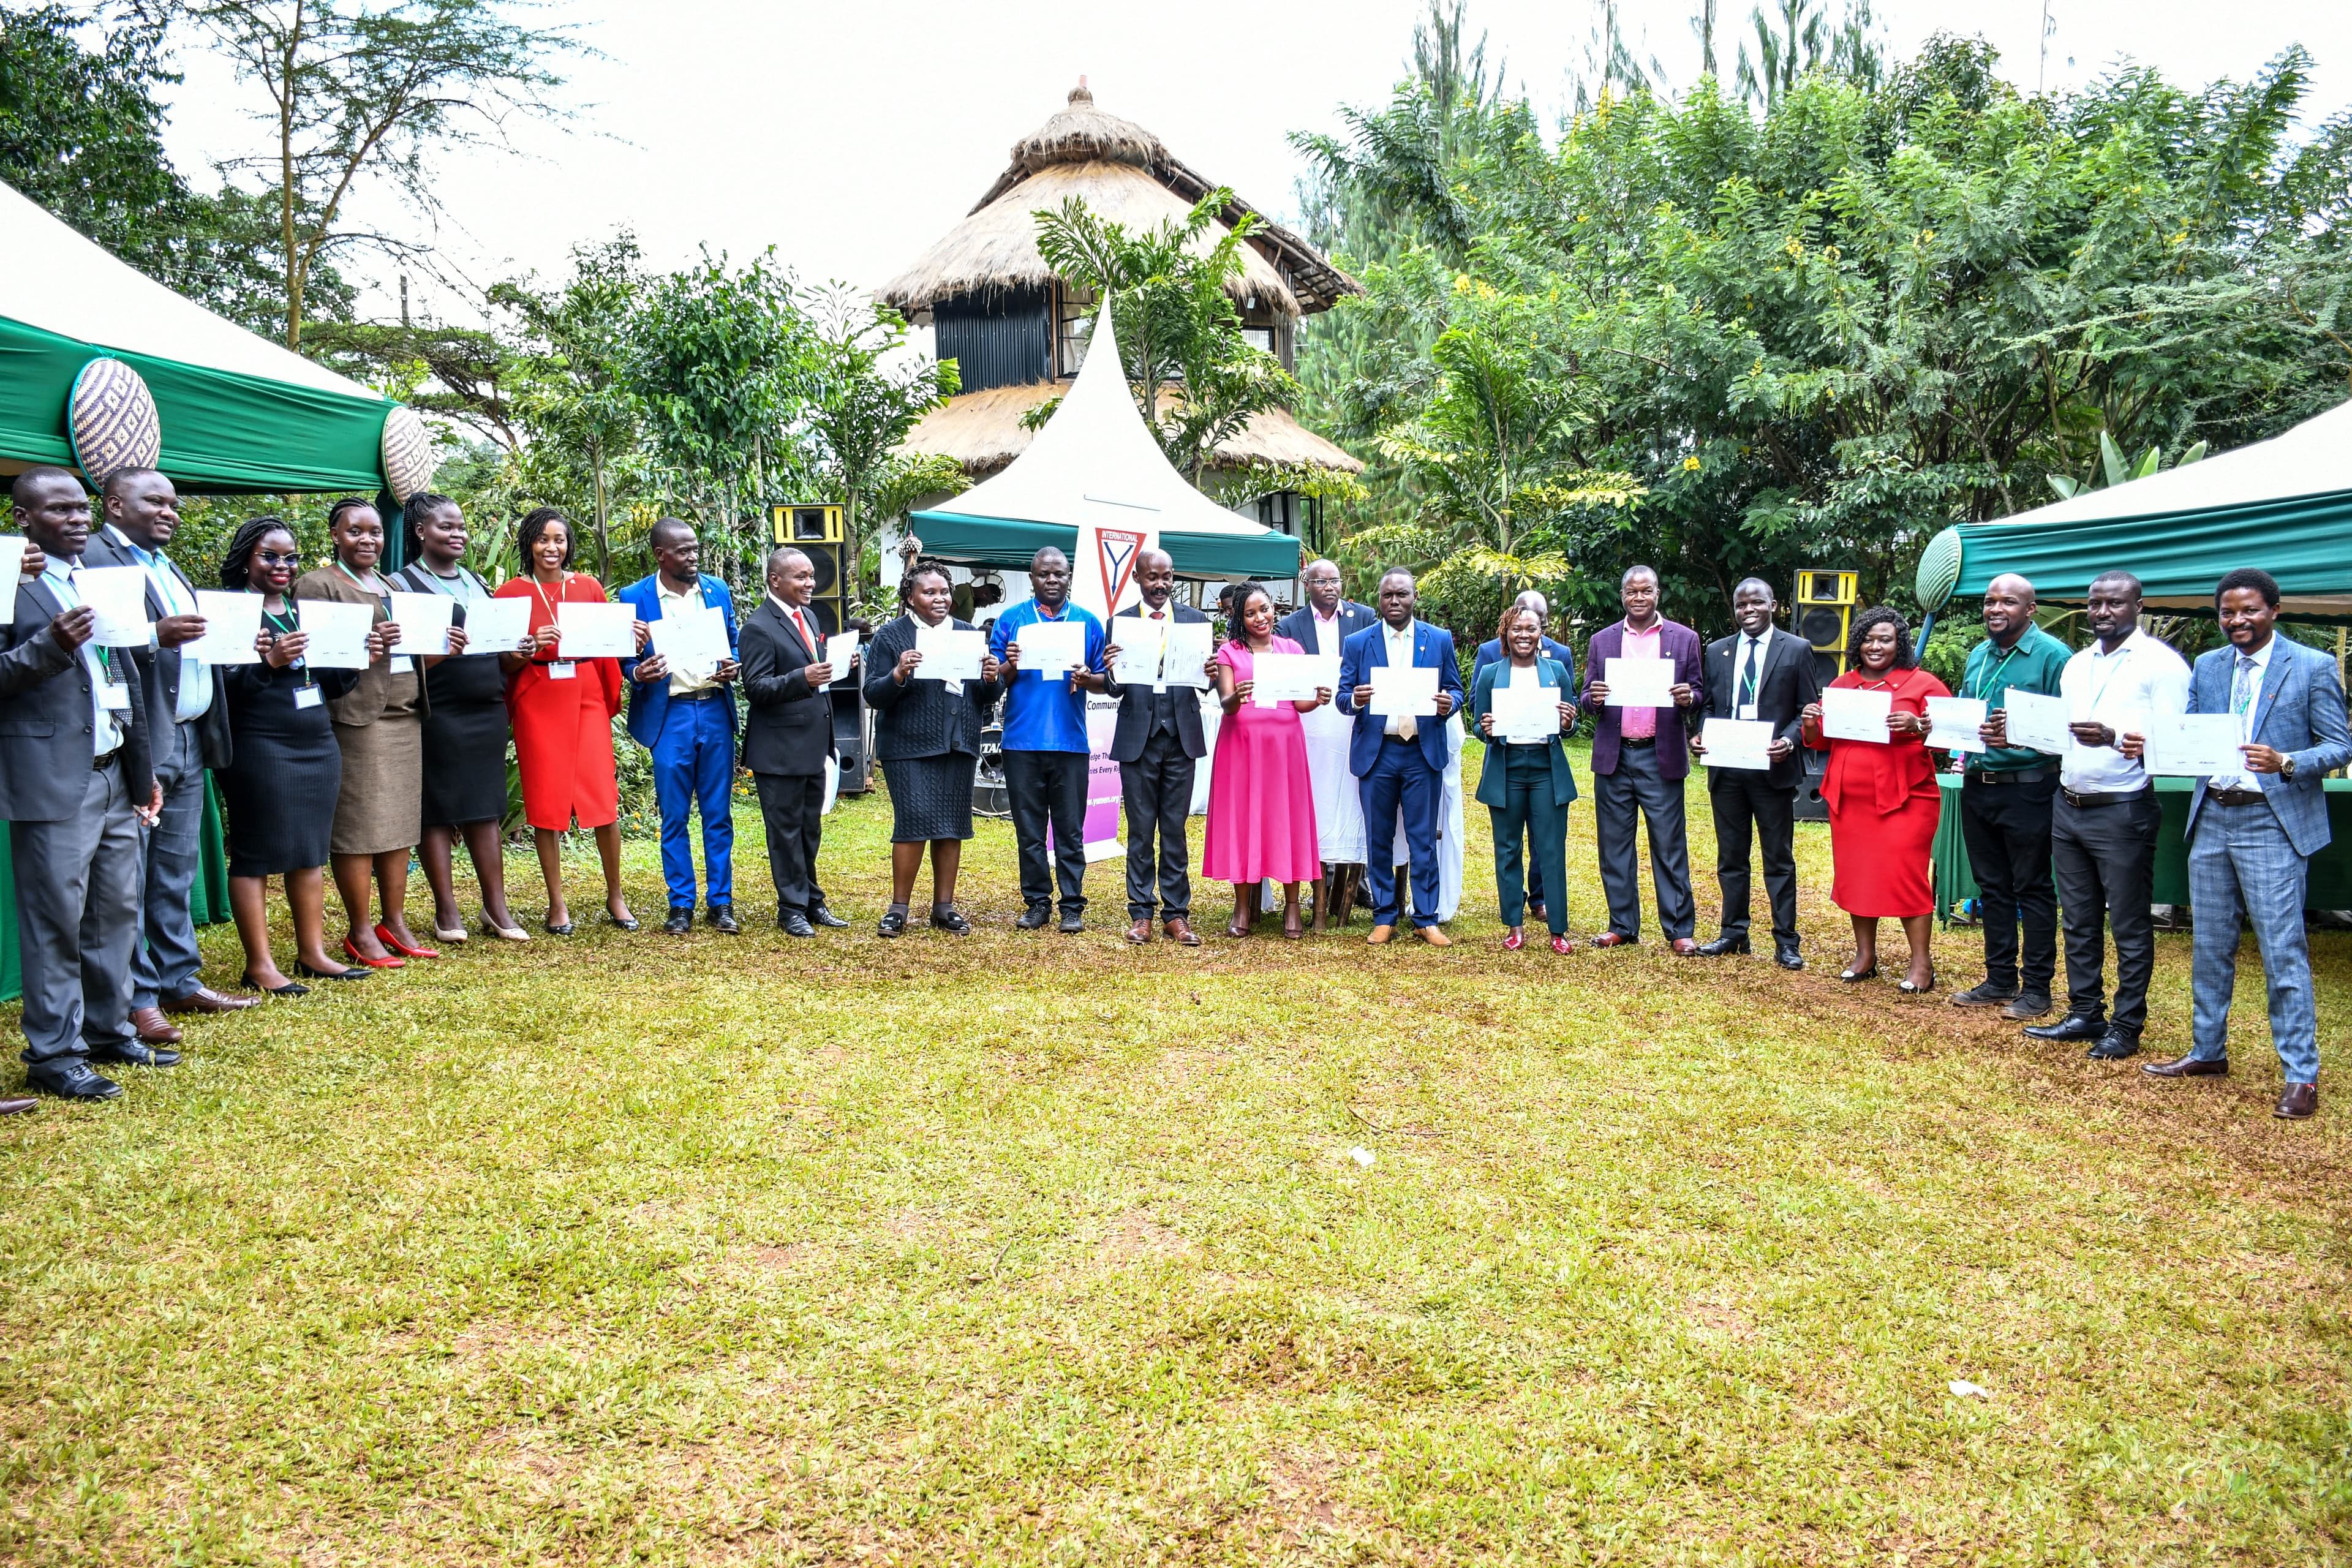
<point>706,694</point>
<point>2235,796</point>
<point>2081,801</point>
<point>1637,742</point>
<point>100,764</point>
<point>2008,775</point>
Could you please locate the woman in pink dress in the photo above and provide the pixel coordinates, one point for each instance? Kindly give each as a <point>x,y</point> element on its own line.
<point>1261,802</point>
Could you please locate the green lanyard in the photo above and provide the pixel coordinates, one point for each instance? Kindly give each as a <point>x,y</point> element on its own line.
<point>1984,692</point>
<point>287,628</point>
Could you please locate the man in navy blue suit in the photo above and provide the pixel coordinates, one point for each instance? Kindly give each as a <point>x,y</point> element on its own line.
<point>1399,759</point>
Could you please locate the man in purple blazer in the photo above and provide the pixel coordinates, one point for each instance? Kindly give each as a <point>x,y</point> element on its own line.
<point>1639,758</point>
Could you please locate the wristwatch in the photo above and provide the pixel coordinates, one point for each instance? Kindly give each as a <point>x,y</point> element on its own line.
<point>2286,769</point>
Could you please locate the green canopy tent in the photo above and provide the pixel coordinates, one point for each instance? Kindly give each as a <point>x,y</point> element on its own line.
<point>102,367</point>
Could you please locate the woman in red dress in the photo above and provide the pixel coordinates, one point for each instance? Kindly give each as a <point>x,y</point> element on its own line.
<point>1883,800</point>
<point>563,711</point>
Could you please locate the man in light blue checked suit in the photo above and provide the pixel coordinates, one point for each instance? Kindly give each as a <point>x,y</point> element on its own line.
<point>2252,837</point>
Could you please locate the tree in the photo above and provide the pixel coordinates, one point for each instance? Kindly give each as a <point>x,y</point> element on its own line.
<point>360,92</point>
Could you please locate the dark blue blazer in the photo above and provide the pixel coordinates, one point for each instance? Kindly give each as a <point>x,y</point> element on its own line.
<point>1362,656</point>
<point>649,699</point>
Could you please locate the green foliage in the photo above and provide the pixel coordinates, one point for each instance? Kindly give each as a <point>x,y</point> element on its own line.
<point>863,393</point>
<point>2114,470</point>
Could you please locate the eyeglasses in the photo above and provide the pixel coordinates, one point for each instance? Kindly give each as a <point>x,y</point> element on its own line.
<point>269,559</point>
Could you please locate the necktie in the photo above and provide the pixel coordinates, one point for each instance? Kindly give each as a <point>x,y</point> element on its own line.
<point>806,641</point>
<point>1747,676</point>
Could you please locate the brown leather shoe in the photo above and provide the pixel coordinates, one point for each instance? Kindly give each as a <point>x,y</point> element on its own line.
<point>2187,1067</point>
<point>1181,929</point>
<point>1684,946</point>
<point>18,1106</point>
<point>1612,939</point>
<point>1381,935</point>
<point>155,1029</point>
<point>204,999</point>
<point>1141,931</point>
<point>1434,937</point>
<point>2301,1099</point>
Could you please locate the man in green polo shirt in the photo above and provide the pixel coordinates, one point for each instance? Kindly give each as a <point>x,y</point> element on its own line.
<point>2005,803</point>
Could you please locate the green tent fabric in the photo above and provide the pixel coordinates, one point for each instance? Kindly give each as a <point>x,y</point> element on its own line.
<point>207,900</point>
<point>1010,542</point>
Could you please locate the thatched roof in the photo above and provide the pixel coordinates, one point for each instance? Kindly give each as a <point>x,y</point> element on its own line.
<point>1124,173</point>
<point>982,431</point>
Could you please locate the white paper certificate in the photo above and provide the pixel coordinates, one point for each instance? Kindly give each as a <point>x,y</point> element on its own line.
<point>1276,678</point>
<point>2038,721</point>
<point>232,622</point>
<point>497,626</point>
<point>949,653</point>
<point>117,594</point>
<point>1738,743</point>
<point>1051,647</point>
<point>693,641</point>
<point>338,633</point>
<point>841,652</point>
<point>1524,713</point>
<point>424,622</point>
<point>1639,682</point>
<point>1956,723</point>
<point>1406,690</point>
<point>2196,745</point>
<point>1188,655</point>
<point>1140,643</point>
<point>1848,714</point>
<point>596,630</point>
<point>12,559</point>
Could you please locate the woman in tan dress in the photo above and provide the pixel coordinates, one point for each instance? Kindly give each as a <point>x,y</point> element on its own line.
<point>380,729</point>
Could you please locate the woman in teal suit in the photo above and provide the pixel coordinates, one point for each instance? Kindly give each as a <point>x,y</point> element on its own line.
<point>1526,785</point>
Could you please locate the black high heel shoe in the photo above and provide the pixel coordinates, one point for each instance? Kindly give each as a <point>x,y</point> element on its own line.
<point>307,973</point>
<point>1852,976</point>
<point>1909,989</point>
<point>289,989</point>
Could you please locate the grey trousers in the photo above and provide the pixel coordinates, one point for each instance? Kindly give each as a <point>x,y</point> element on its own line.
<point>164,967</point>
<point>1637,784</point>
<point>2104,856</point>
<point>78,920</point>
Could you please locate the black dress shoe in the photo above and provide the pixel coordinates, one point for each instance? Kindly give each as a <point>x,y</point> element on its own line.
<point>892,923</point>
<point>629,922</point>
<point>722,919</point>
<point>72,1078</point>
<point>821,916</point>
<point>2072,1026</point>
<point>353,973</point>
<point>791,922</point>
<point>2187,1067</point>
<point>1788,955</point>
<point>680,921</point>
<point>950,920</point>
<point>2114,1046</point>
<point>1033,918</point>
<point>1072,922</point>
<point>2299,1102</point>
<point>135,1053</point>
<point>1723,947</point>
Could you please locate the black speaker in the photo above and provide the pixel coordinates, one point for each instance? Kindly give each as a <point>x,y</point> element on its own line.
<point>1823,615</point>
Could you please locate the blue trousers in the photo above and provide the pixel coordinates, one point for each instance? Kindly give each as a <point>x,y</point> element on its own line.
<point>2241,862</point>
<point>1402,775</point>
<point>693,763</point>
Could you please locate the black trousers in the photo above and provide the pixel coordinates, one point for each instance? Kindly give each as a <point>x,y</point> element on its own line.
<point>1747,806</point>
<point>2104,856</point>
<point>1049,786</point>
<point>792,806</point>
<point>2007,828</point>
<point>1157,789</point>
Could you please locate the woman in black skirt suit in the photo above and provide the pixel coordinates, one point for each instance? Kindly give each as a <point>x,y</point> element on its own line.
<point>285,770</point>
<point>927,738</point>
<point>465,729</point>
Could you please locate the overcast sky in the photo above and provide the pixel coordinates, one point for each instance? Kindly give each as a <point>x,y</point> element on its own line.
<point>849,136</point>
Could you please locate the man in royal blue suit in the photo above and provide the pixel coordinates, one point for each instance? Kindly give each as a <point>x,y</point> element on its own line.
<point>1399,759</point>
<point>2251,836</point>
<point>686,719</point>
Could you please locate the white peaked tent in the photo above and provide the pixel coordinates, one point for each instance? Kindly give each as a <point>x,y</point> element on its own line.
<point>1096,462</point>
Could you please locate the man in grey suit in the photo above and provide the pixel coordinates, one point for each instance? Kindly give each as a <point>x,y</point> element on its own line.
<point>2251,836</point>
<point>187,725</point>
<point>77,787</point>
<point>1158,745</point>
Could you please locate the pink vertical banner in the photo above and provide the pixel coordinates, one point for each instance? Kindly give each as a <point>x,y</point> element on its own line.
<point>1103,795</point>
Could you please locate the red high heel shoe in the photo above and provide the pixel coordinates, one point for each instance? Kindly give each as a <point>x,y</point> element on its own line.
<point>351,950</point>
<point>384,934</point>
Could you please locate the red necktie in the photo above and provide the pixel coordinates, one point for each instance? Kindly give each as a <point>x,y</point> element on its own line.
<point>806,641</point>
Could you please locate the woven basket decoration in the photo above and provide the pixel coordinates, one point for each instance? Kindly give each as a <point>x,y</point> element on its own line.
<point>113,420</point>
<point>408,455</point>
<point>1939,571</point>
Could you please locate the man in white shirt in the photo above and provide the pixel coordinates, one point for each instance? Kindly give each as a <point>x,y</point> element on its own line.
<point>2104,824</point>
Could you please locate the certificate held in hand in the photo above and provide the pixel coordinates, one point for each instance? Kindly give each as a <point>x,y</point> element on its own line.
<point>2195,745</point>
<point>1140,643</point>
<point>1738,743</point>
<point>1956,723</point>
<point>232,623</point>
<point>949,653</point>
<point>1639,682</point>
<point>1276,678</point>
<point>424,622</point>
<point>497,626</point>
<point>1051,647</point>
<point>1848,714</point>
<point>338,633</point>
<point>1523,715</point>
<point>595,630</point>
<point>2038,723</point>
<point>1403,691</point>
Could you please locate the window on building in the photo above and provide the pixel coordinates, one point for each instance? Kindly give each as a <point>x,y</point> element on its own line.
<point>1074,324</point>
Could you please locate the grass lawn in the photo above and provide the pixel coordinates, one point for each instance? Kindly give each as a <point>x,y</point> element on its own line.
<point>1027,1247</point>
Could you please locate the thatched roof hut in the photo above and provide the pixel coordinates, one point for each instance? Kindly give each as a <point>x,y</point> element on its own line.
<point>1018,333</point>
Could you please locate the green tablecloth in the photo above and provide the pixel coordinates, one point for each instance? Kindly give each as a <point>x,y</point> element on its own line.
<point>2331,869</point>
<point>207,900</point>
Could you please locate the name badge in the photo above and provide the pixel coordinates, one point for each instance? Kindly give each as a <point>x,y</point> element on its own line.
<point>563,669</point>
<point>1747,710</point>
<point>308,697</point>
<point>115,695</point>
<point>402,664</point>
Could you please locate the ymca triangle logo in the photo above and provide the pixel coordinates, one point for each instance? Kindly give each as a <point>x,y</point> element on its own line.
<point>1117,549</point>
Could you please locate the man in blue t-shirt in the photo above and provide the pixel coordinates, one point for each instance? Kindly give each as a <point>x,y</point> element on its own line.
<point>1045,743</point>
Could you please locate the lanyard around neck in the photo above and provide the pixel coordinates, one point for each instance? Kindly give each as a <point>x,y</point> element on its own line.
<point>1984,691</point>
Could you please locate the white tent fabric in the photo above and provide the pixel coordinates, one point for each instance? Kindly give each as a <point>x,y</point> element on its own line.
<point>2314,458</point>
<point>1094,462</point>
<point>53,278</point>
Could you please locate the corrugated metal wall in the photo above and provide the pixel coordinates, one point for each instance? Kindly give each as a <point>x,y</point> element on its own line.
<point>996,340</point>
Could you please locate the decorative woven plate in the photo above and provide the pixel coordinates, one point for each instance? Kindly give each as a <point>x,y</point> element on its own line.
<point>408,455</point>
<point>1939,571</point>
<point>113,420</point>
